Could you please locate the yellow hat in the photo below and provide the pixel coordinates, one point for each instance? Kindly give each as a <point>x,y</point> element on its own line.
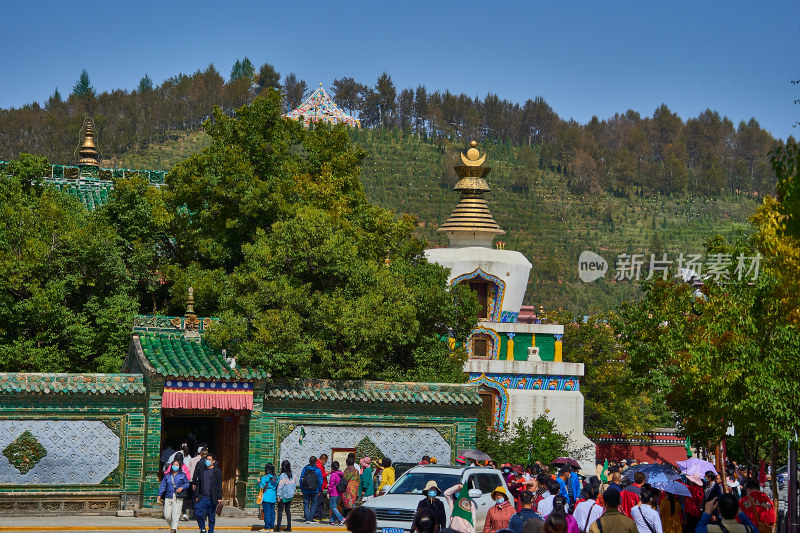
<point>500,490</point>
<point>432,485</point>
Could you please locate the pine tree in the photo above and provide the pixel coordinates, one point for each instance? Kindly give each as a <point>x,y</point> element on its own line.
<point>83,86</point>
<point>145,85</point>
<point>236,71</point>
<point>247,69</point>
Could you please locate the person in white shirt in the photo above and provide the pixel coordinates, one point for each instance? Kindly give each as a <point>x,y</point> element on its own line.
<point>589,510</point>
<point>545,506</point>
<point>646,517</point>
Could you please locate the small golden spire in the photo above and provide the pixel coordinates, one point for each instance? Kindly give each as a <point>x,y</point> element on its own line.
<point>88,149</point>
<point>471,223</point>
<point>190,302</point>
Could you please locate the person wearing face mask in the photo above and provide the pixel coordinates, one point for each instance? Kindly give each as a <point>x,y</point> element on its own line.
<point>207,486</point>
<point>508,472</point>
<point>433,503</point>
<point>499,515</point>
<point>172,492</point>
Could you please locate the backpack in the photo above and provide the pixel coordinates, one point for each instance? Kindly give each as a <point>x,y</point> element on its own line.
<point>309,481</point>
<point>341,485</point>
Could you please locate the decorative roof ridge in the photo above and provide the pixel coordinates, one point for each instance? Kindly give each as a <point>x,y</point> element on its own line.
<point>60,382</point>
<point>346,383</point>
<point>309,389</point>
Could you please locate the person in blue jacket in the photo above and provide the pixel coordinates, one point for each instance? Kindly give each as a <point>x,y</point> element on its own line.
<point>563,476</point>
<point>310,486</point>
<point>575,480</point>
<point>172,492</point>
<point>269,484</point>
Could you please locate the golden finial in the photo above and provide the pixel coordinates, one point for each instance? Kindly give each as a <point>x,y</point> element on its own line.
<point>473,157</point>
<point>191,324</point>
<point>471,223</point>
<point>190,302</point>
<point>88,150</point>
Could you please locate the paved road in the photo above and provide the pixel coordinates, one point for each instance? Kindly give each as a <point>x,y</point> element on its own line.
<point>91,524</point>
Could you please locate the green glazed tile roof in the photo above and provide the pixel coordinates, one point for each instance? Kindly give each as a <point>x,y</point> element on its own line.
<point>13,382</point>
<point>92,186</point>
<point>176,356</point>
<point>374,391</point>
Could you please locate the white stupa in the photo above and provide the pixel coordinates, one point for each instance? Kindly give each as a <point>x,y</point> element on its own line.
<point>519,366</point>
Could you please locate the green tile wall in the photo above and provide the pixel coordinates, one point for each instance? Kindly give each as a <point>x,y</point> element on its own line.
<point>126,410</point>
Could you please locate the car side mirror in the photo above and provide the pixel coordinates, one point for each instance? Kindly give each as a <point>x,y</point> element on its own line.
<point>475,493</point>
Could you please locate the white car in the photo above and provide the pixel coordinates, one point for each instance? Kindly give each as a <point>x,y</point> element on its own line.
<point>395,509</point>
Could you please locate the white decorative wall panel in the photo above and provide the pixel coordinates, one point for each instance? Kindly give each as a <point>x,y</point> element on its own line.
<point>77,452</point>
<point>400,444</point>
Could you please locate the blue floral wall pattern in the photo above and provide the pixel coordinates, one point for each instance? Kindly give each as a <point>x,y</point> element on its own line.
<point>494,349</point>
<point>533,381</point>
<point>501,405</point>
<point>496,293</point>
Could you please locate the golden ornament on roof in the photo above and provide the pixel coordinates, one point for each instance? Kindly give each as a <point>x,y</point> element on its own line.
<point>473,158</point>
<point>88,149</point>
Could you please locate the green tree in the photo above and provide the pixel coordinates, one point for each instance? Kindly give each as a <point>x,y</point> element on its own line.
<point>614,402</point>
<point>248,70</point>
<point>524,442</point>
<point>723,358</point>
<point>268,77</point>
<point>243,70</point>
<point>277,237</point>
<point>786,163</point>
<point>145,85</point>
<point>139,214</point>
<point>66,301</point>
<point>347,93</point>
<point>236,71</point>
<point>83,86</point>
<point>295,90</point>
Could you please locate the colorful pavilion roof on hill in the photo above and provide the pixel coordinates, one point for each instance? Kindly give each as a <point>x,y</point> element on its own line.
<point>320,107</point>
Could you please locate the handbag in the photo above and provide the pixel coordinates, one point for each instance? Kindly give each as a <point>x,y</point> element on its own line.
<point>260,496</point>
<point>220,505</point>
<point>180,495</point>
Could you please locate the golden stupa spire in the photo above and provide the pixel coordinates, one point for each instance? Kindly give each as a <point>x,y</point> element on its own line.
<point>88,149</point>
<point>471,223</point>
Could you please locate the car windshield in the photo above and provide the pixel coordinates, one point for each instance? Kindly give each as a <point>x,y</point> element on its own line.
<point>414,482</point>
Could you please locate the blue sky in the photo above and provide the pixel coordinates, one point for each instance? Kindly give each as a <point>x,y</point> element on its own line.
<point>584,58</point>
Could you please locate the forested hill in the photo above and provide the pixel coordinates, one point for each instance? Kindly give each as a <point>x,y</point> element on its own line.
<point>624,184</point>
<point>543,218</point>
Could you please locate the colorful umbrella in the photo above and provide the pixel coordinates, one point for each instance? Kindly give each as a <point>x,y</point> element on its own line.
<point>674,487</point>
<point>656,474</point>
<point>695,466</point>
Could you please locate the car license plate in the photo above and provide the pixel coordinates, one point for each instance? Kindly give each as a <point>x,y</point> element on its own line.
<point>393,530</point>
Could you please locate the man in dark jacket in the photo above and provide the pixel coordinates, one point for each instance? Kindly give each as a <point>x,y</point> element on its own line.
<point>517,522</point>
<point>310,486</point>
<point>207,487</point>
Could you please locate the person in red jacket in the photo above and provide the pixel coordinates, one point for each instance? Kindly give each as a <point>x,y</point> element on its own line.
<point>499,515</point>
<point>758,507</point>
<point>630,497</point>
<point>693,506</point>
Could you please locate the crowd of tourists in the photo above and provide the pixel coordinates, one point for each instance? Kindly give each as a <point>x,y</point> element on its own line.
<point>190,481</point>
<point>536,499</point>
